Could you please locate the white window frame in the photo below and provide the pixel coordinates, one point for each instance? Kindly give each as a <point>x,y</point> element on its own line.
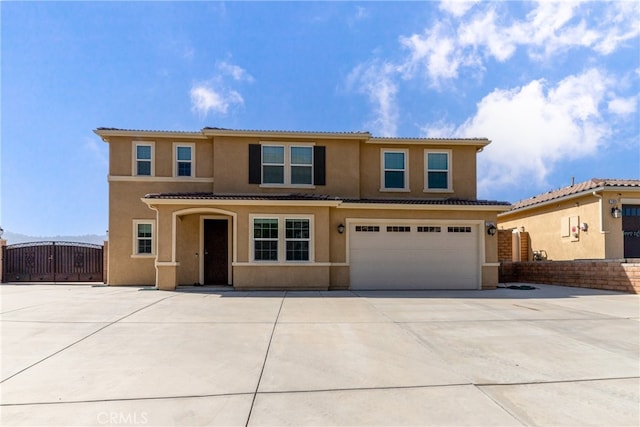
<point>192,147</point>
<point>134,157</point>
<point>254,240</point>
<point>287,146</point>
<point>282,240</point>
<point>449,170</point>
<point>383,186</point>
<point>135,247</point>
<point>293,239</point>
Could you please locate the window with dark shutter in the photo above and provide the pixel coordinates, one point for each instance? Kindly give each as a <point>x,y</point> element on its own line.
<point>255,164</point>
<point>294,163</point>
<point>319,174</point>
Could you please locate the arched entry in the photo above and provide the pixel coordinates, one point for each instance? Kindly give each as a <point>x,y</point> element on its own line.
<point>217,243</point>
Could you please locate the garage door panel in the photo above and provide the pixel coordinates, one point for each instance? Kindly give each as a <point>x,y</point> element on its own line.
<point>414,260</point>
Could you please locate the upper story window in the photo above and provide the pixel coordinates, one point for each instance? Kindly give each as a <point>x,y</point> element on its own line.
<point>301,165</point>
<point>287,165</point>
<point>394,170</point>
<point>184,160</point>
<point>143,159</point>
<point>272,164</point>
<point>438,171</point>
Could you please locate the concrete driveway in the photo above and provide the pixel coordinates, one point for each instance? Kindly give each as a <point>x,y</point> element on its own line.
<point>552,356</point>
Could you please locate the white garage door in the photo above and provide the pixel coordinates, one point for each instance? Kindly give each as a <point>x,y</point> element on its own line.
<point>423,256</point>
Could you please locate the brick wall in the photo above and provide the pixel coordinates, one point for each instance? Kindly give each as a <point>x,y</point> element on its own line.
<point>594,274</point>
<point>504,245</point>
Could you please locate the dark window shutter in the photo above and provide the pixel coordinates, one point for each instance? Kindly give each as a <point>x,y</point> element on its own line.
<point>255,164</point>
<point>319,170</point>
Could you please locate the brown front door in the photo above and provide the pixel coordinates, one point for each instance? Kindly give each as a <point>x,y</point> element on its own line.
<point>216,252</point>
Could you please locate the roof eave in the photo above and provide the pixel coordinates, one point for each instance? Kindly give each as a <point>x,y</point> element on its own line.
<point>286,134</point>
<point>577,195</point>
<point>424,207</point>
<point>150,201</point>
<point>106,133</point>
<point>473,142</point>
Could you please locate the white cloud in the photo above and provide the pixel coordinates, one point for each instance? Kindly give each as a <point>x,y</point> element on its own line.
<point>549,28</point>
<point>205,99</point>
<point>623,106</point>
<point>534,128</point>
<point>435,52</point>
<point>457,8</point>
<point>377,82</point>
<point>620,23</point>
<point>236,72</point>
<point>215,95</point>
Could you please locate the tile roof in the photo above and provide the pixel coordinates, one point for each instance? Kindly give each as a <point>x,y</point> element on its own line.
<point>218,196</point>
<point>302,132</point>
<point>318,197</point>
<point>582,187</point>
<point>365,134</point>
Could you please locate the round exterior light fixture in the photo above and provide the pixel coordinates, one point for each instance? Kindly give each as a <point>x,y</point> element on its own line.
<point>341,228</point>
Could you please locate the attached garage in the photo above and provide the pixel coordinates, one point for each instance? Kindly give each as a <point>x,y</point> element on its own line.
<point>414,256</point>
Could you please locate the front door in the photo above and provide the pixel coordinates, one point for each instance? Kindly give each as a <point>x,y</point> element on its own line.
<point>216,252</point>
<point>631,230</point>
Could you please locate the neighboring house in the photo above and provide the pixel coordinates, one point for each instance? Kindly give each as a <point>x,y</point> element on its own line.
<point>297,210</point>
<point>595,219</point>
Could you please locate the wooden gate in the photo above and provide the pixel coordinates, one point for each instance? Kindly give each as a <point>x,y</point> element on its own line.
<point>53,262</point>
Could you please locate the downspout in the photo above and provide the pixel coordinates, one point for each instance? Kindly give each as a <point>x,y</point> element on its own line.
<point>600,209</point>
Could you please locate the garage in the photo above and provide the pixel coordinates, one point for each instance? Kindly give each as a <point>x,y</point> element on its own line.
<point>414,256</point>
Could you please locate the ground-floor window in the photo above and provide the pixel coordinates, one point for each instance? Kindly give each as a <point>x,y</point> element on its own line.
<point>282,239</point>
<point>265,239</point>
<point>143,237</point>
<point>297,239</point>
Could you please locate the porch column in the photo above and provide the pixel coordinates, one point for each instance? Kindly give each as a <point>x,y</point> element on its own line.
<point>166,265</point>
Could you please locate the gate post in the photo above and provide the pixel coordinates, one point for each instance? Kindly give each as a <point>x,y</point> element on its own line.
<point>3,244</point>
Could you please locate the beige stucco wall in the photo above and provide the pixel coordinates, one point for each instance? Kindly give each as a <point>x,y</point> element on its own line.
<point>231,163</point>
<point>463,170</point>
<point>125,206</point>
<point>121,155</point>
<point>544,227</point>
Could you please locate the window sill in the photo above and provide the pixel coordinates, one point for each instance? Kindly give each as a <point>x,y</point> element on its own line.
<point>145,178</point>
<point>438,190</point>
<point>307,186</point>
<point>395,190</point>
<point>144,256</point>
<point>279,264</point>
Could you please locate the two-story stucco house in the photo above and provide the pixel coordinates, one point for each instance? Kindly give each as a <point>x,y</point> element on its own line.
<point>297,210</point>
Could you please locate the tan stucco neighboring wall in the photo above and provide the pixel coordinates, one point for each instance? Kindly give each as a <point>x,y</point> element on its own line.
<point>544,227</point>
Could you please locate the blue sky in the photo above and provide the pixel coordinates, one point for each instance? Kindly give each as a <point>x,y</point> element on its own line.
<point>555,86</point>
